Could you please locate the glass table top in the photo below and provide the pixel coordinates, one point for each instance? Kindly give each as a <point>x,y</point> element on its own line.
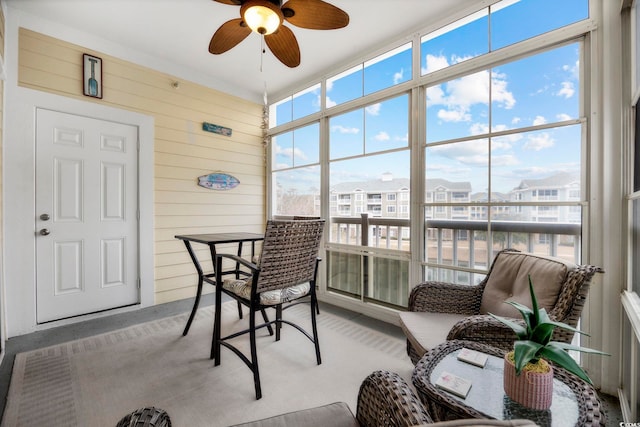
<point>487,393</point>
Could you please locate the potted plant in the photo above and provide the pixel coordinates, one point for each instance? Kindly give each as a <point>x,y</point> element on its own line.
<point>531,352</point>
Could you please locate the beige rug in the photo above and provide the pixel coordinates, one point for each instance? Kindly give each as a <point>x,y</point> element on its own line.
<point>97,380</point>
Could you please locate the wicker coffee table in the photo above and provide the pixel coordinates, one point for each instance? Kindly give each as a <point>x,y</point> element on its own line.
<point>574,401</point>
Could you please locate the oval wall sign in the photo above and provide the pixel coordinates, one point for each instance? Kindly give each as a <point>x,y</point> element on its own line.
<point>218,181</point>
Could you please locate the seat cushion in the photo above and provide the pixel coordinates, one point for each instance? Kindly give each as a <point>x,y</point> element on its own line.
<point>332,415</point>
<point>508,280</point>
<point>425,330</point>
<point>242,288</point>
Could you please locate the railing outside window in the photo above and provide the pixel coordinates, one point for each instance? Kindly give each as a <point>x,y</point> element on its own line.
<point>369,257</point>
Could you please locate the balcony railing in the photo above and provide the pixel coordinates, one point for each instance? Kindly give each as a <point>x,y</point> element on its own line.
<point>368,265</point>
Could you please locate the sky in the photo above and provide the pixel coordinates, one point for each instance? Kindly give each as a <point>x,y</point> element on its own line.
<point>539,90</point>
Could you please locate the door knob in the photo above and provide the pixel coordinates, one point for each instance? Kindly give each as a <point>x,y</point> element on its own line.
<point>44,217</point>
<point>45,232</point>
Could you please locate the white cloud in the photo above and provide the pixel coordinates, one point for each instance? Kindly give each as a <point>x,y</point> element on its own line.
<point>504,160</point>
<point>454,116</point>
<point>329,83</point>
<point>573,70</point>
<point>382,136</point>
<point>563,116</point>
<point>373,109</point>
<point>539,120</point>
<point>435,95</point>
<point>567,90</point>
<point>479,128</point>
<point>290,152</point>
<point>398,76</point>
<point>435,63</point>
<point>539,142</point>
<point>515,120</point>
<point>330,103</point>
<point>458,96</point>
<point>343,129</point>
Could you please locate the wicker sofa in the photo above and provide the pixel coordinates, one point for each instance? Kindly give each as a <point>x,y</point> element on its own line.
<point>385,399</point>
<point>440,311</point>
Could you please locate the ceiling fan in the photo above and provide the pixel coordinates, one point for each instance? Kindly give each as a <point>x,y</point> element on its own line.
<point>265,17</point>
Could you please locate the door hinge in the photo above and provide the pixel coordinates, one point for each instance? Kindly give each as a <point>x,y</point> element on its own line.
<point>139,281</point>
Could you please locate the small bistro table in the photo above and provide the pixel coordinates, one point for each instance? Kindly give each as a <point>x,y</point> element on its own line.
<point>575,402</point>
<point>212,240</point>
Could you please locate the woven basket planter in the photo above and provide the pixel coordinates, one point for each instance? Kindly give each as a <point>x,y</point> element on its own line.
<point>531,389</point>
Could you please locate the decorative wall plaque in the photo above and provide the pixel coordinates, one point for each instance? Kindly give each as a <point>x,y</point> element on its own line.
<point>218,181</point>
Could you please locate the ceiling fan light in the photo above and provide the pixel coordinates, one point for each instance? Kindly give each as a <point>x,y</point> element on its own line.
<point>263,17</point>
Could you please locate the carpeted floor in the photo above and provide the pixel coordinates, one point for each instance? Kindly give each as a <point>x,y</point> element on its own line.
<point>95,381</point>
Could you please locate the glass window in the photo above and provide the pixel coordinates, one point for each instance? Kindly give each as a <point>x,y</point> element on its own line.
<point>384,71</point>
<point>457,42</point>
<point>476,156</point>
<point>296,191</point>
<point>344,87</point>
<point>306,102</point>
<point>300,104</point>
<point>296,148</point>
<point>296,173</point>
<point>460,107</point>
<point>389,69</point>
<point>541,165</point>
<point>469,36</point>
<point>378,127</point>
<point>364,172</point>
<point>541,16</point>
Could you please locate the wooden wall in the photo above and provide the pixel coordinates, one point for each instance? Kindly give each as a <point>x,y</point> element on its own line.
<point>182,151</point>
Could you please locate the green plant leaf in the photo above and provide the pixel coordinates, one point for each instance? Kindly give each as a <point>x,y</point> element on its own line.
<point>542,333</point>
<point>534,304</point>
<point>566,346</point>
<point>524,352</point>
<point>561,358</point>
<point>527,314</point>
<point>565,326</point>
<point>520,330</point>
<point>520,307</point>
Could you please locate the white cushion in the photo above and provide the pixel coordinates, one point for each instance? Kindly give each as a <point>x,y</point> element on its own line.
<point>242,288</point>
<point>425,330</point>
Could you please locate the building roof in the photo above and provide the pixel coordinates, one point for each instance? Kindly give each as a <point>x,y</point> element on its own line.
<point>398,184</point>
<point>562,179</point>
<point>382,185</point>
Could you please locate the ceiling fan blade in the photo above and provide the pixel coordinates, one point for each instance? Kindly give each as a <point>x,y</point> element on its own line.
<point>314,14</point>
<point>231,2</point>
<point>284,46</point>
<point>228,35</point>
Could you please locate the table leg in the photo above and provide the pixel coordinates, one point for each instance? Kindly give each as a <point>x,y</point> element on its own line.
<point>196,263</point>
<point>238,276</point>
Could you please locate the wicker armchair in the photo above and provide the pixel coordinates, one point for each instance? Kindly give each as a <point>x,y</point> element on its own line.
<point>441,311</point>
<point>284,274</point>
<point>385,399</point>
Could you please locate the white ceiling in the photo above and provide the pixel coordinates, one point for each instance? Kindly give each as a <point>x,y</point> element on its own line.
<point>173,36</point>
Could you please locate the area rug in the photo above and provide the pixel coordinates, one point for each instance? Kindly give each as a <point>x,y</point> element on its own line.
<point>97,380</point>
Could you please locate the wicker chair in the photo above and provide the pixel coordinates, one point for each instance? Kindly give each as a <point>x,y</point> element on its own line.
<point>385,399</point>
<point>285,273</point>
<point>441,311</point>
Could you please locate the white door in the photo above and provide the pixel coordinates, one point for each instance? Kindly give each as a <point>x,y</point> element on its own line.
<point>86,215</point>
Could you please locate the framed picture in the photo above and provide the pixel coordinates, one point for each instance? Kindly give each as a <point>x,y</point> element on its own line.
<point>92,75</point>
